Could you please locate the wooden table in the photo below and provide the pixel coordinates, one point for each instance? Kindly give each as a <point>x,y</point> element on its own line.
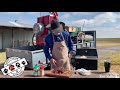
<point>94,74</point>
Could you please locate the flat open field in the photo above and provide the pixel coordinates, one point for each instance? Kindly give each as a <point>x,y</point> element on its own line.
<point>108,42</point>
<point>108,49</point>
<point>2,57</point>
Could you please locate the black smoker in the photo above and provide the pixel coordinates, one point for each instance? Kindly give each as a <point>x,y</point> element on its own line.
<point>89,60</point>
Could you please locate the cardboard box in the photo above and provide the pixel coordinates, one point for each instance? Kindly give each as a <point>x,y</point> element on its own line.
<point>71,29</point>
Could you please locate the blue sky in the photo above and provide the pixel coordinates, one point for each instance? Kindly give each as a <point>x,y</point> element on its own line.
<point>106,24</point>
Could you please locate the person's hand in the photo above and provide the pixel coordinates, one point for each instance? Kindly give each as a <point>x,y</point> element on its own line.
<point>53,61</point>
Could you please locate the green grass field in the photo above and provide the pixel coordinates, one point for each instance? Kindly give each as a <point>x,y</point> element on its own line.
<point>114,57</point>
<point>108,42</point>
<point>115,62</point>
<point>2,57</point>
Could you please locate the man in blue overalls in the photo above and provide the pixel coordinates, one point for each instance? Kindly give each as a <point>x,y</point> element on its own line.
<point>60,44</point>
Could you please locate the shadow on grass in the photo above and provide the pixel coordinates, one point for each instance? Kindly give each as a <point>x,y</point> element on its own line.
<point>98,72</point>
<point>29,76</point>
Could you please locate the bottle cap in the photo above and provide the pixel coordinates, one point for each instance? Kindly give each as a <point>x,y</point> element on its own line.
<point>36,67</point>
<point>41,67</point>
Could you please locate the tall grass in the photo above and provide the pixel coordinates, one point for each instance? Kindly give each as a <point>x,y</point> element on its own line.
<point>115,62</point>
<point>108,42</point>
<point>2,57</point>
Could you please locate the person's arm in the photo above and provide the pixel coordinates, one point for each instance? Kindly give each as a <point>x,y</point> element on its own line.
<point>46,50</point>
<point>47,53</point>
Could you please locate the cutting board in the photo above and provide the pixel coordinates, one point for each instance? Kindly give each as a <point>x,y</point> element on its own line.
<point>51,74</point>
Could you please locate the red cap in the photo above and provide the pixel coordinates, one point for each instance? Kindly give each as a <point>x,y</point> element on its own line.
<point>41,67</point>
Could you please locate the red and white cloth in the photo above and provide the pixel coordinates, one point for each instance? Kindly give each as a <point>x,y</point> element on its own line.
<point>55,14</point>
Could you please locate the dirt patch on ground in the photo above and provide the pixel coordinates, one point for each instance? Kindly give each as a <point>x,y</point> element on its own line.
<point>109,53</point>
<point>103,51</point>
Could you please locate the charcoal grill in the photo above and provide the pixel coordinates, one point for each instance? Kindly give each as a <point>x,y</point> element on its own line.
<point>90,62</point>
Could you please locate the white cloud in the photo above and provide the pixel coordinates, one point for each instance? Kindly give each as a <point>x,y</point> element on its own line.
<point>72,14</point>
<point>100,19</point>
<point>98,23</point>
<point>117,27</point>
<point>106,18</point>
<point>65,16</point>
<point>105,32</point>
<point>111,33</point>
<point>80,22</point>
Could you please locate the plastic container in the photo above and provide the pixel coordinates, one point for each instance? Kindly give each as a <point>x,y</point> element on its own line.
<point>36,70</point>
<point>41,71</point>
<point>107,65</point>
